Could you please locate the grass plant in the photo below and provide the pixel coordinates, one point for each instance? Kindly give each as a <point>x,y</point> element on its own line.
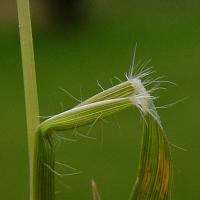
<point>155,170</point>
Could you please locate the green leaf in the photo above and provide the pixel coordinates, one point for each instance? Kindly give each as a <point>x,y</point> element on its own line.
<point>155,171</point>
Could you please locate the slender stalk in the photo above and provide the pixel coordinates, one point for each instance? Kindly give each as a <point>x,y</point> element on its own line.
<point>30,85</point>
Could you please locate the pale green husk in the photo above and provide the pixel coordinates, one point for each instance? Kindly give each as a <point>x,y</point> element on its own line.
<point>83,114</point>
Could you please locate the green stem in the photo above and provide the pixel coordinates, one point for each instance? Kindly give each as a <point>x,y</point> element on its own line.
<point>30,85</point>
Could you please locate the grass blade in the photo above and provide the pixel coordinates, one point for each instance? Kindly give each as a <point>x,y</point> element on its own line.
<point>155,171</point>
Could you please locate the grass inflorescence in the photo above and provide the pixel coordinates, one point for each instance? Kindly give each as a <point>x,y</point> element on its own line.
<point>154,175</point>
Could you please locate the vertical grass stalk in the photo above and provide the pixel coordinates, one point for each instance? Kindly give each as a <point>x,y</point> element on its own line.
<point>29,76</point>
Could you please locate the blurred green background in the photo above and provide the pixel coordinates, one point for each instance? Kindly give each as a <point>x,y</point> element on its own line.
<point>79,43</point>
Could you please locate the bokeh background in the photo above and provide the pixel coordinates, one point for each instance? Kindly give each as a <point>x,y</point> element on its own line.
<point>78,42</point>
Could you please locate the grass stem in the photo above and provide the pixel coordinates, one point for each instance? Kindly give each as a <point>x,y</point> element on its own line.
<point>29,76</point>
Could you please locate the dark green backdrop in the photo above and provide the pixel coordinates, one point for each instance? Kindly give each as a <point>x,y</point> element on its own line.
<point>169,33</point>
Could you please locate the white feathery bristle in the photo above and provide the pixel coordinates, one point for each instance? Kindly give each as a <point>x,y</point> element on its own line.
<point>141,97</point>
